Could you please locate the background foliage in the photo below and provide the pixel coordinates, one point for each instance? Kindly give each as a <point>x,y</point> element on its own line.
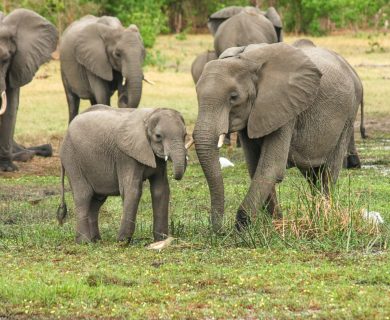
<point>314,17</point>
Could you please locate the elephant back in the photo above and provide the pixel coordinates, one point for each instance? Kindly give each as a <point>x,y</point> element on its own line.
<point>247,27</point>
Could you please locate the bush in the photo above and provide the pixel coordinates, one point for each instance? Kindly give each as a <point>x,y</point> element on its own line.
<point>146,14</point>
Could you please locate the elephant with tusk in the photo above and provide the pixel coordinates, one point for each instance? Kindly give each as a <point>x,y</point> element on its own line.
<point>98,57</point>
<point>291,105</point>
<point>26,42</point>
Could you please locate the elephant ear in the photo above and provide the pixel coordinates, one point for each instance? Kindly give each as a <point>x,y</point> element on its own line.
<point>90,50</point>
<point>217,18</point>
<point>35,39</point>
<point>132,138</point>
<point>287,84</point>
<point>274,17</point>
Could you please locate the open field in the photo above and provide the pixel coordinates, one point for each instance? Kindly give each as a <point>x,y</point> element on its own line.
<point>322,261</point>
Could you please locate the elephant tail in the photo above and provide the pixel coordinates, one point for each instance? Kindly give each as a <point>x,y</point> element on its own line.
<point>62,210</point>
<point>362,127</point>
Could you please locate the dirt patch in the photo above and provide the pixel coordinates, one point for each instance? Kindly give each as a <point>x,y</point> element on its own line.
<point>27,193</point>
<point>376,124</point>
<point>38,166</point>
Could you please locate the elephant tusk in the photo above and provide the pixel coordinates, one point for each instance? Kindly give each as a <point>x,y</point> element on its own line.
<point>3,108</point>
<point>187,158</point>
<point>123,82</point>
<point>166,158</point>
<point>220,140</point>
<point>189,143</point>
<point>148,81</point>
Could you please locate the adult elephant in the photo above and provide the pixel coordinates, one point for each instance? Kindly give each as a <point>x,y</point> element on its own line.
<point>98,57</point>
<point>241,26</point>
<point>291,106</point>
<point>249,25</point>
<point>26,42</point>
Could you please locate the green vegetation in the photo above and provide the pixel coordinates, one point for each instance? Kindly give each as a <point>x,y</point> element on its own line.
<point>153,17</point>
<point>323,260</point>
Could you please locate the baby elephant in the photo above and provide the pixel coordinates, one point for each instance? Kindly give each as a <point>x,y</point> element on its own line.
<point>109,152</point>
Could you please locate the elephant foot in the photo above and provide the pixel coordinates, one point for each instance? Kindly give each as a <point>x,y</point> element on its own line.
<point>23,156</point>
<point>96,238</point>
<point>44,150</point>
<point>353,161</point>
<point>242,220</point>
<point>124,240</point>
<point>6,165</point>
<point>82,239</point>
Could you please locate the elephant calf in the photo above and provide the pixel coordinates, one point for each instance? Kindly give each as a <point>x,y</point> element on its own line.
<point>109,152</point>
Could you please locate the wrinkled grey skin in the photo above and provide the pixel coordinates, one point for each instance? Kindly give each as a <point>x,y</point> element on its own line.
<point>290,106</point>
<point>108,152</point>
<point>241,26</point>
<point>26,42</point>
<point>199,63</point>
<point>351,160</point>
<point>97,55</point>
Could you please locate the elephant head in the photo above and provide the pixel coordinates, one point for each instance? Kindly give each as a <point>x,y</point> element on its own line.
<point>162,134</point>
<point>26,41</point>
<point>259,89</point>
<point>103,47</point>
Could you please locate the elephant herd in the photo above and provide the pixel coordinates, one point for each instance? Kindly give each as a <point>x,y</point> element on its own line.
<point>291,105</point>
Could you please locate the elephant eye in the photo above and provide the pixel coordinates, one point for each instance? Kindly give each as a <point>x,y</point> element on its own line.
<point>233,97</point>
<point>117,54</point>
<point>158,137</point>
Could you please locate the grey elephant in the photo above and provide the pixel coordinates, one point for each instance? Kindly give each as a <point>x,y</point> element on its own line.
<point>292,106</point>
<point>109,151</point>
<point>26,42</point>
<point>98,57</point>
<point>250,25</point>
<point>240,26</point>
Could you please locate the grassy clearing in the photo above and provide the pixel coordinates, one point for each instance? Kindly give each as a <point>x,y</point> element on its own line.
<point>322,261</point>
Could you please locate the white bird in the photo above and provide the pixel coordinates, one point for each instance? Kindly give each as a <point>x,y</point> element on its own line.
<point>225,163</point>
<point>372,216</point>
<point>159,245</point>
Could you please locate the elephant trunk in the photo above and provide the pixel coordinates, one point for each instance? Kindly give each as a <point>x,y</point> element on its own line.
<point>206,148</point>
<point>132,91</point>
<point>178,157</point>
<point>3,108</point>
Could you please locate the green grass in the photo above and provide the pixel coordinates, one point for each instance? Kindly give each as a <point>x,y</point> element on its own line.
<point>323,262</point>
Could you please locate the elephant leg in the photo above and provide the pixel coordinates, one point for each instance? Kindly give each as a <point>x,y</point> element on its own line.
<point>72,99</point>
<point>93,101</point>
<point>252,149</point>
<point>100,89</point>
<point>21,153</point>
<point>334,163</point>
<point>159,189</point>
<point>269,171</point>
<point>82,201</point>
<point>73,105</point>
<point>132,192</point>
<point>7,129</point>
<point>95,205</point>
<point>272,205</point>
<point>352,158</point>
